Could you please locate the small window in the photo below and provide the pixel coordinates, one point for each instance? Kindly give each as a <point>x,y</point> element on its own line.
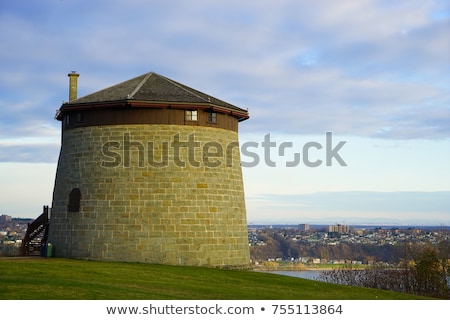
<point>79,117</point>
<point>67,119</point>
<point>212,117</point>
<point>74,200</point>
<point>191,115</point>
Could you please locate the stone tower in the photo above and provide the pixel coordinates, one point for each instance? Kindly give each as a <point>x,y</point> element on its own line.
<point>149,171</point>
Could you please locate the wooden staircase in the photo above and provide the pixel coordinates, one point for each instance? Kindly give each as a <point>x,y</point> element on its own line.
<point>36,235</point>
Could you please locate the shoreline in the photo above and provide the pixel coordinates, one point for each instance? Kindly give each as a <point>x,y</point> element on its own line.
<point>275,267</point>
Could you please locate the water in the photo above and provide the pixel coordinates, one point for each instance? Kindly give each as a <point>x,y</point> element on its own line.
<point>313,274</point>
<point>307,274</point>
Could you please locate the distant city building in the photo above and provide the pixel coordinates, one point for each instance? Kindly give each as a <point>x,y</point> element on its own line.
<point>339,228</point>
<point>5,219</point>
<point>303,227</point>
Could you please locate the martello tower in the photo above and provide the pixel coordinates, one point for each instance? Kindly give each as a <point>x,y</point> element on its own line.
<point>149,171</point>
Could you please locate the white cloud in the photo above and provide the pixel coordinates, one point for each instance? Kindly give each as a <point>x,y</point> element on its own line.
<point>356,67</point>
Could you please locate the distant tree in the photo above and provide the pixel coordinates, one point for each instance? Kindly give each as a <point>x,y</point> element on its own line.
<point>370,260</point>
<point>431,274</point>
<point>422,272</point>
<point>444,256</point>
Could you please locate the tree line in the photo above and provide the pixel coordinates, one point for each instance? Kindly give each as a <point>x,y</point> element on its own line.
<point>424,270</point>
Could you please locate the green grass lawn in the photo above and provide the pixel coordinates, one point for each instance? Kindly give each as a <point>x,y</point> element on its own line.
<point>39,278</point>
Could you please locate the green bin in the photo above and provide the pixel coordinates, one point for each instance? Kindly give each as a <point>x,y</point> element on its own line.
<point>49,250</point>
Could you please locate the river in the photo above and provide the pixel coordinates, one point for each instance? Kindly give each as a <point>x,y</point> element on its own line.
<point>311,274</point>
<point>306,274</point>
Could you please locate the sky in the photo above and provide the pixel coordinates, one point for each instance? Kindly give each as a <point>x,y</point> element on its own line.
<point>365,82</point>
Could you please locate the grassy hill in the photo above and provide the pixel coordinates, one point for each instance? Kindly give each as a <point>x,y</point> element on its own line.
<point>38,278</point>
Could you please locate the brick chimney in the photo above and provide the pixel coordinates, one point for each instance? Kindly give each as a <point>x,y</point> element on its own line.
<point>73,85</point>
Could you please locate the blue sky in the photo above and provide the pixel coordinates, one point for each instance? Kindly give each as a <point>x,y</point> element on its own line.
<point>374,73</point>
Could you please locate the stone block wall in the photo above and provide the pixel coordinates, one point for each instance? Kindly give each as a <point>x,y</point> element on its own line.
<point>167,194</point>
